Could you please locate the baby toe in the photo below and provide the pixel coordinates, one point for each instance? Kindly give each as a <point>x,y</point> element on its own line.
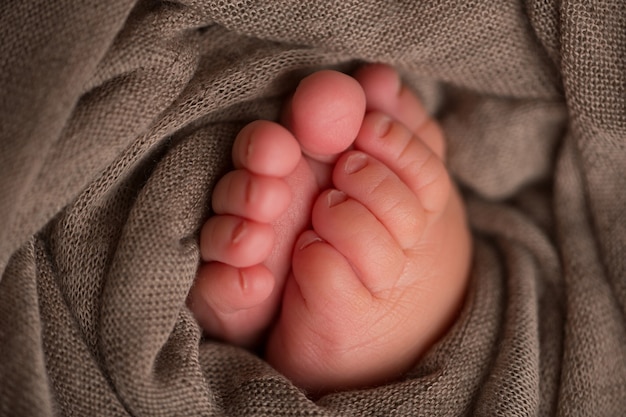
<point>325,113</point>
<point>228,289</point>
<point>231,303</point>
<point>382,193</point>
<point>235,241</point>
<point>254,197</point>
<point>321,272</point>
<point>266,148</point>
<point>360,237</point>
<point>385,92</point>
<point>413,161</point>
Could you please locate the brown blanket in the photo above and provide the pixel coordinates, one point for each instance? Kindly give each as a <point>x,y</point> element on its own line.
<point>116,118</point>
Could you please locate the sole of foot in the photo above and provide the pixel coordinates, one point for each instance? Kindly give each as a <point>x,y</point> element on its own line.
<point>382,273</point>
<point>263,205</point>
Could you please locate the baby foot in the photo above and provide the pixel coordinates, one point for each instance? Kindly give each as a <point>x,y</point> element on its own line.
<point>383,273</point>
<point>265,203</point>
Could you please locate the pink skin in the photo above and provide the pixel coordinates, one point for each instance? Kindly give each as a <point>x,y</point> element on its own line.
<point>381,273</point>
<point>235,300</point>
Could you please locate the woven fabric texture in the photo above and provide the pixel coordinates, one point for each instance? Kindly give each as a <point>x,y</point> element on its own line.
<point>117,118</point>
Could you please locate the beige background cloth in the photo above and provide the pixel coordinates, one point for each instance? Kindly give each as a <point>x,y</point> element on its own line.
<point>116,118</point>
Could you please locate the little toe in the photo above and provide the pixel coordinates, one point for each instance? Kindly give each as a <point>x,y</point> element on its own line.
<point>254,197</point>
<point>413,161</point>
<point>325,113</point>
<point>231,303</point>
<point>228,289</point>
<point>235,241</point>
<point>266,148</point>
<point>386,93</point>
<point>321,272</point>
<point>322,319</point>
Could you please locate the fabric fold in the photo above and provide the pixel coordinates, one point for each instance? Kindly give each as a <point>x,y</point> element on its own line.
<point>117,119</point>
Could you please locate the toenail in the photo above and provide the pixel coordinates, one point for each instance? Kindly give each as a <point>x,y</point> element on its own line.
<point>309,240</point>
<point>355,162</point>
<point>243,281</point>
<point>251,191</point>
<point>249,149</point>
<point>383,126</point>
<point>239,232</point>
<point>335,197</point>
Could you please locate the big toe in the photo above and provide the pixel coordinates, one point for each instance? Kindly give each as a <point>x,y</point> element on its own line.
<point>325,113</point>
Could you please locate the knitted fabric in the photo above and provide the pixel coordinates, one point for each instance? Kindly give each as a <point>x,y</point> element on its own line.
<point>117,118</point>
